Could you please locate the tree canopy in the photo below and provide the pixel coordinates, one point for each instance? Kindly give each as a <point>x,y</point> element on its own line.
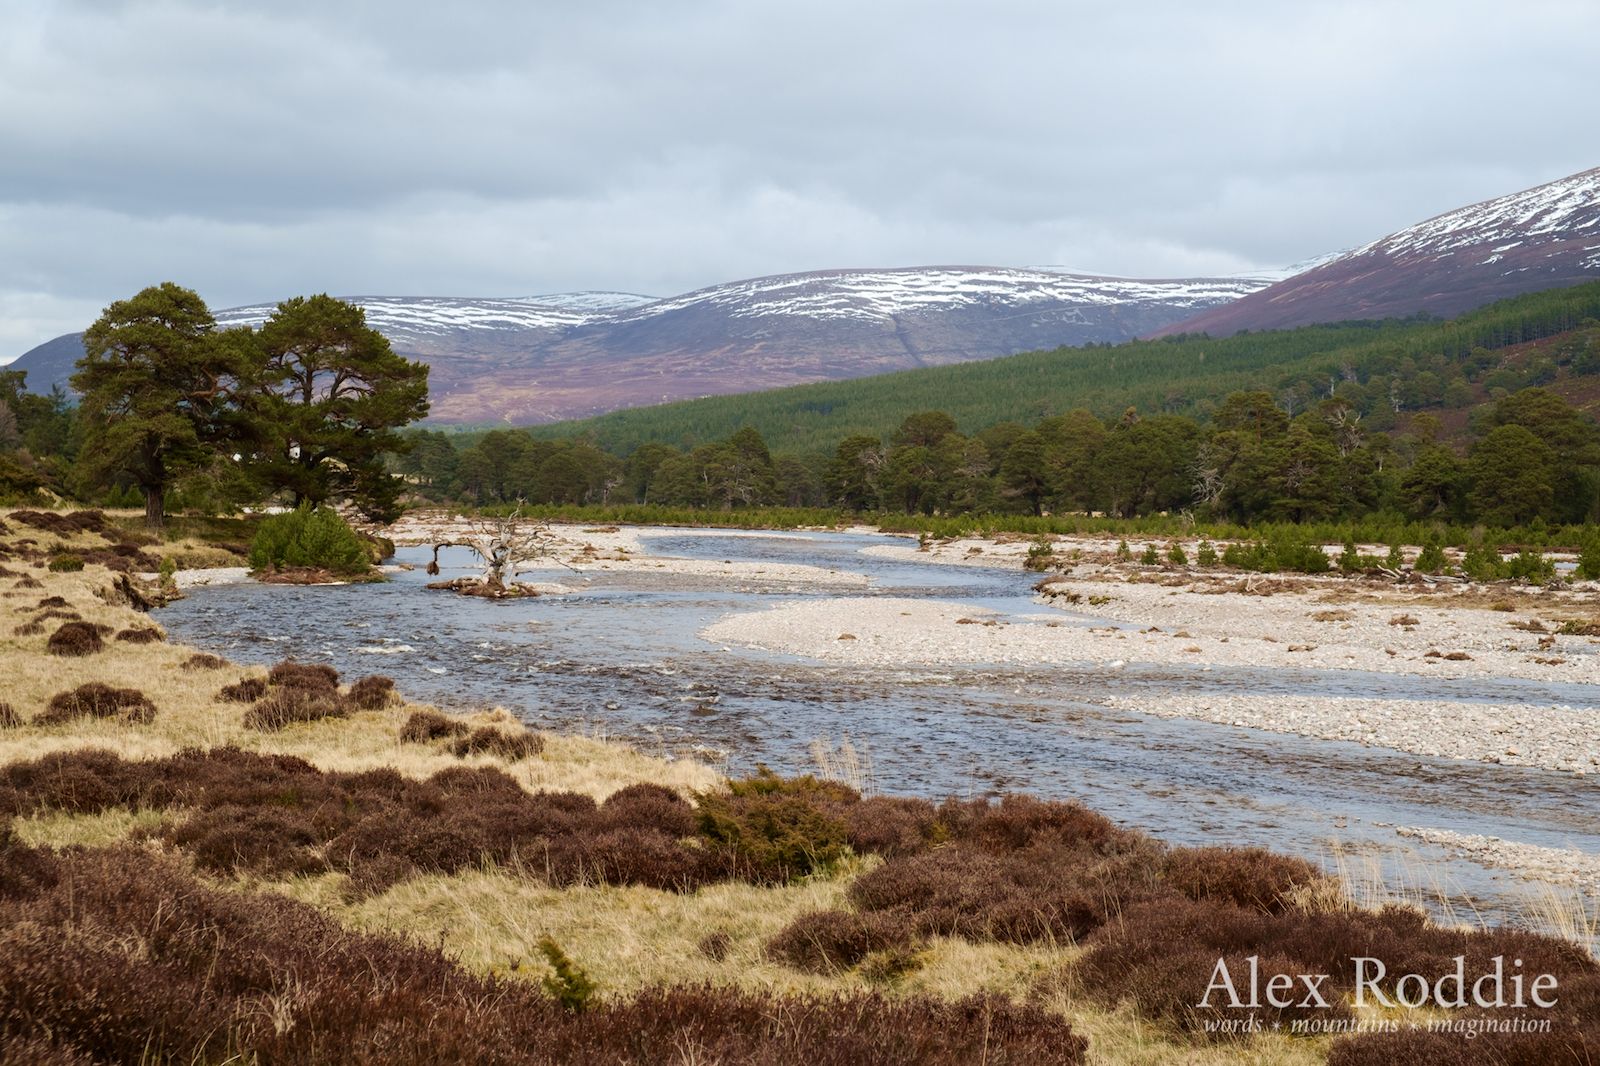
<point>327,396</point>
<point>154,380</point>
<point>307,408</point>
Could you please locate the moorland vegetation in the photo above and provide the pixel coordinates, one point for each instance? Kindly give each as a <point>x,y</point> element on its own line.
<point>209,863</point>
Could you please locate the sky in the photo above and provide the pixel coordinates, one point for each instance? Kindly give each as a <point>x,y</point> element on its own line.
<point>257,151</point>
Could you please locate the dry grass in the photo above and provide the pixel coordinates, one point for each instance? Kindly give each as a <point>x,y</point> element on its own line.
<point>191,715</point>
<point>1121,1037</point>
<point>60,829</point>
<point>631,938</point>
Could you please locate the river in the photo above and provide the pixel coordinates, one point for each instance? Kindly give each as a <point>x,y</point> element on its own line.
<point>621,658</point>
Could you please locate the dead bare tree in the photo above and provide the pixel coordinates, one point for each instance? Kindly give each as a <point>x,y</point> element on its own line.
<point>503,545</point>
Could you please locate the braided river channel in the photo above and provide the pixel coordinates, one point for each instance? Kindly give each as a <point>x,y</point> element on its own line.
<point>621,657</point>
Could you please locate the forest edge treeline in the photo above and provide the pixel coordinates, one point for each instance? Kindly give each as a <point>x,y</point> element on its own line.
<point>1382,450</point>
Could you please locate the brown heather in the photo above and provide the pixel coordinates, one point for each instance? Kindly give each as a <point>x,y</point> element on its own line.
<point>1160,956</point>
<point>373,693</point>
<point>75,639</point>
<point>62,524</point>
<point>423,727</point>
<point>115,955</point>
<point>487,740</point>
<point>283,707</point>
<point>245,690</point>
<point>1247,877</point>
<point>141,635</point>
<point>827,941</point>
<point>96,700</point>
<point>204,661</point>
<point>310,677</point>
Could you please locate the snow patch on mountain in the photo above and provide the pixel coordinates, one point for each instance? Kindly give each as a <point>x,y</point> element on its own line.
<point>1559,210</point>
<point>843,295</point>
<point>414,317</point>
<point>882,295</point>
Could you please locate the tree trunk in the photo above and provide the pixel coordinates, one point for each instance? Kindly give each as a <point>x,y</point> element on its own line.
<point>155,515</point>
<point>495,561</point>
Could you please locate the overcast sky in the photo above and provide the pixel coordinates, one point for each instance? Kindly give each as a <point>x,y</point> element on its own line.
<point>255,151</point>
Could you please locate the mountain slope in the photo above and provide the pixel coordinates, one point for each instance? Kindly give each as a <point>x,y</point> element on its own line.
<point>1535,239</point>
<point>1397,365</point>
<point>547,358</point>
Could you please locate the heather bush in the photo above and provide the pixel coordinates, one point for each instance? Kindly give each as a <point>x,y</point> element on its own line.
<point>1246,877</point>
<point>141,635</point>
<point>487,740</point>
<point>373,693</point>
<point>424,726</point>
<point>1047,892</point>
<point>245,690</point>
<point>715,946</point>
<point>209,964</point>
<point>646,806</point>
<point>890,826</point>
<point>63,524</point>
<point>829,941</point>
<point>312,538</point>
<point>97,700</point>
<point>75,639</point>
<point>283,707</point>
<point>1162,954</point>
<point>66,564</point>
<point>315,677</point>
<point>204,661</point>
<point>35,625</point>
<point>267,840</point>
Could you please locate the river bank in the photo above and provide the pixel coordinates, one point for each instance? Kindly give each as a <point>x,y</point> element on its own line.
<point>1112,615</point>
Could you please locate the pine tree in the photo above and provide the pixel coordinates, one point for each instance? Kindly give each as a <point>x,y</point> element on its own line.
<point>156,381</point>
<point>328,400</point>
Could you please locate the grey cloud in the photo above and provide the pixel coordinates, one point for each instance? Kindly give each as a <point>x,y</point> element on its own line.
<point>255,151</point>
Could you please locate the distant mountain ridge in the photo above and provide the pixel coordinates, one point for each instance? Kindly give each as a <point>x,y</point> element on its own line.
<point>548,358</point>
<point>1540,238</point>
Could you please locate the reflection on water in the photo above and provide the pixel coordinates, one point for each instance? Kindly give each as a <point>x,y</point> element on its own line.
<point>621,658</point>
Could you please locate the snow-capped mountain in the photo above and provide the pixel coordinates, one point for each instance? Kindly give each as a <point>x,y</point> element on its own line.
<point>545,358</point>
<point>1540,238</point>
<point>409,318</point>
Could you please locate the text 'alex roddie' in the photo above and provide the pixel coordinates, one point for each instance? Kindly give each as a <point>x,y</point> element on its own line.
<point>1492,988</point>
